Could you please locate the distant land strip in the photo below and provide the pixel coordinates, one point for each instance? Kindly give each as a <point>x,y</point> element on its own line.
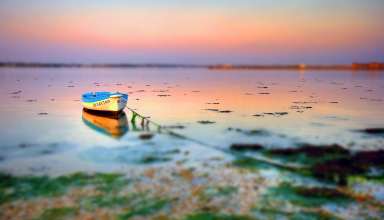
<point>96,65</point>
<point>354,66</point>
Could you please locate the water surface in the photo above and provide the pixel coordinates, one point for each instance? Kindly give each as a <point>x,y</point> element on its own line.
<point>45,131</point>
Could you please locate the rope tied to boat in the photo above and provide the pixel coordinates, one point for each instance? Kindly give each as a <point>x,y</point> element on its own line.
<point>146,120</point>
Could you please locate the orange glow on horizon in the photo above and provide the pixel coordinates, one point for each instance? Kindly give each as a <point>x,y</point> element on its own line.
<point>180,30</point>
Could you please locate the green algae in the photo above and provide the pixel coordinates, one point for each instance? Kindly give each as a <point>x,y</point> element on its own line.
<point>173,151</point>
<point>241,147</point>
<point>329,163</point>
<point>134,115</point>
<point>58,213</point>
<point>272,213</point>
<point>144,207</point>
<point>153,159</point>
<point>135,204</point>
<point>225,190</point>
<point>250,163</point>
<point>364,179</point>
<point>358,164</point>
<point>26,187</point>
<point>105,201</point>
<point>110,182</point>
<point>217,191</point>
<point>308,196</point>
<point>216,216</point>
<point>308,154</point>
<point>158,157</point>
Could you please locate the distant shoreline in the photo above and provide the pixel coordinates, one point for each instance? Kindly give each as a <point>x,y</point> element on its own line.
<point>354,66</point>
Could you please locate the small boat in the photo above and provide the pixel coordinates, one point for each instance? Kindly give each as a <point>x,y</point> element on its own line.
<point>104,101</point>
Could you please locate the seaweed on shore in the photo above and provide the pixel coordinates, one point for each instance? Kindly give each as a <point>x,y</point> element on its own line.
<point>250,163</point>
<point>359,164</point>
<point>329,162</point>
<point>126,206</point>
<point>58,213</point>
<point>246,147</point>
<point>109,200</point>
<point>27,187</point>
<point>278,213</point>
<point>216,216</point>
<point>145,207</point>
<point>308,196</point>
<point>305,155</point>
<point>308,154</point>
<point>217,191</point>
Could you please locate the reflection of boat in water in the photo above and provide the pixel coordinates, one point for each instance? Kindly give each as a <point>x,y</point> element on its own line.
<point>104,101</point>
<point>112,124</point>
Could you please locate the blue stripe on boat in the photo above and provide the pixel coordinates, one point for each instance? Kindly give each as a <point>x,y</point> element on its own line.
<point>98,96</point>
<point>95,96</point>
<point>125,96</point>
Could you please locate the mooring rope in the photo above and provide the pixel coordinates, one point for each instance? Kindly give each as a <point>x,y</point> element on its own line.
<point>145,120</point>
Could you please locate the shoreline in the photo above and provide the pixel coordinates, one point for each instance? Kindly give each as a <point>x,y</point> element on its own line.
<point>374,66</point>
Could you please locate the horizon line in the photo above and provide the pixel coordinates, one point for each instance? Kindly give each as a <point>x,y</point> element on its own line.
<point>217,66</point>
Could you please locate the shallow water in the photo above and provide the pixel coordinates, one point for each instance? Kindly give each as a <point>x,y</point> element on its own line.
<point>307,97</point>
<point>45,131</point>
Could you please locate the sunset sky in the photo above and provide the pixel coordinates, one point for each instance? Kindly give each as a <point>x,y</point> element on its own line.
<point>199,31</point>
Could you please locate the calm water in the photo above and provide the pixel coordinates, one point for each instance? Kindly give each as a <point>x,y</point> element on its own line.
<point>45,132</point>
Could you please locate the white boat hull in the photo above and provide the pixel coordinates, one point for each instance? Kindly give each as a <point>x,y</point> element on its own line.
<point>112,104</point>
